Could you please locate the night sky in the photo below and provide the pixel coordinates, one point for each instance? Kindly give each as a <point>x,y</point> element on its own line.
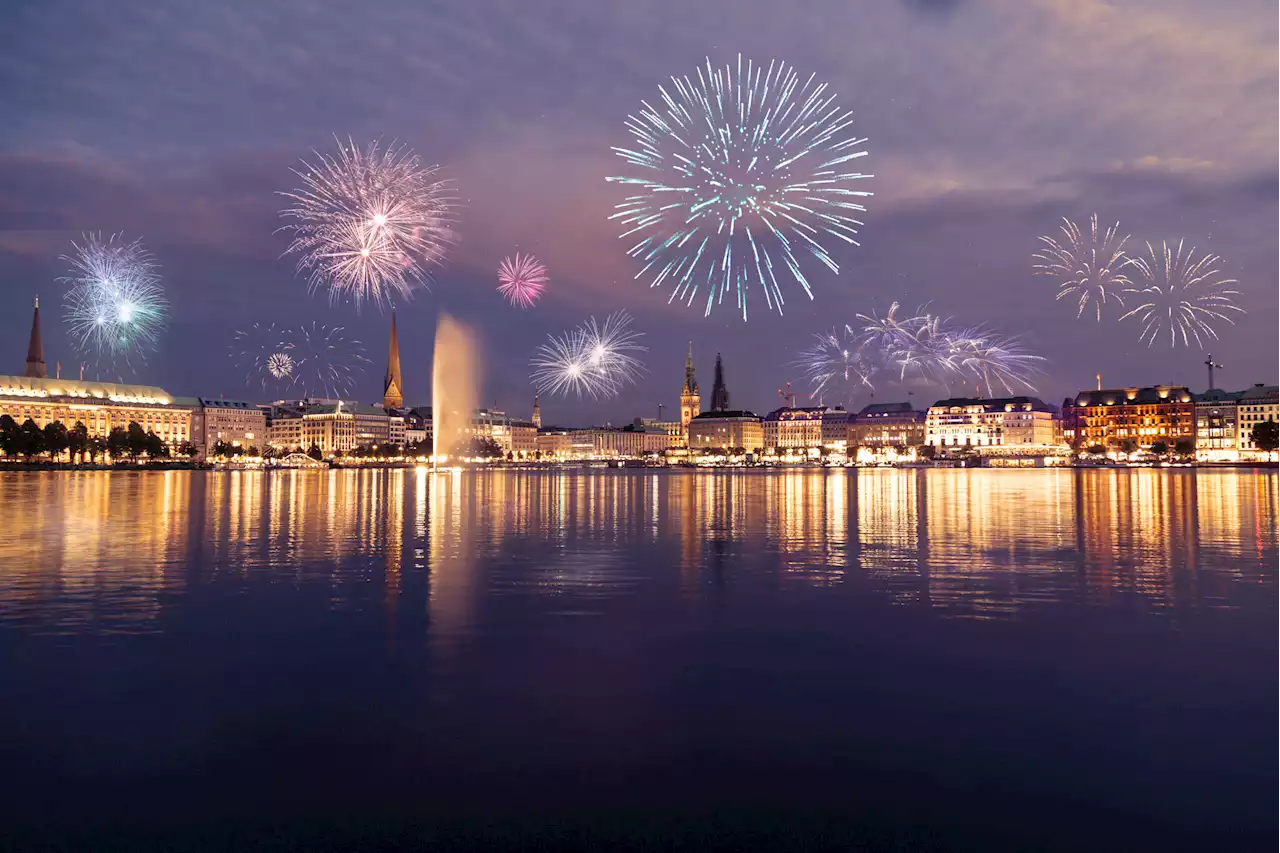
<point>988,120</point>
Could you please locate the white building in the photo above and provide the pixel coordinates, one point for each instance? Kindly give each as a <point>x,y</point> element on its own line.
<point>1254,406</point>
<point>234,422</point>
<point>1023,422</point>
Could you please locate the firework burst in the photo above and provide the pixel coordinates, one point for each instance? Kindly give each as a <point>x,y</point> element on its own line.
<point>1181,294</point>
<point>740,174</point>
<point>920,349</point>
<point>312,360</point>
<point>595,359</point>
<point>115,304</point>
<point>1088,267</point>
<point>522,279</point>
<point>369,223</point>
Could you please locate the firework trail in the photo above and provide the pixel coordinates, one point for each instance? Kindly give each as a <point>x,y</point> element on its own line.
<point>115,305</point>
<point>522,279</point>
<point>1182,295</point>
<point>919,349</point>
<point>313,361</point>
<point>595,359</point>
<point>739,174</point>
<point>1088,268</point>
<point>368,224</point>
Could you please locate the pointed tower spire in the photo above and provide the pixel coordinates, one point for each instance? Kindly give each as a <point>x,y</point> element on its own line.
<point>719,393</point>
<point>537,411</point>
<point>35,349</point>
<point>392,385</point>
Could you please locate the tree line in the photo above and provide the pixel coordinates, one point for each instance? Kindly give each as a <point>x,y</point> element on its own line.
<point>55,440</point>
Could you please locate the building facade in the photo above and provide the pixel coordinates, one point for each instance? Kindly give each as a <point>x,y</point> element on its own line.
<point>791,428</point>
<point>726,430</point>
<point>1255,405</point>
<point>100,406</point>
<point>236,423</point>
<point>628,442</point>
<point>887,425</point>
<point>1216,431</point>
<point>1022,422</point>
<point>1111,417</point>
<point>392,384</point>
<point>835,430</point>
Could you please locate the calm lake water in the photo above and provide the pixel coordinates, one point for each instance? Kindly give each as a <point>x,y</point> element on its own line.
<point>949,659</point>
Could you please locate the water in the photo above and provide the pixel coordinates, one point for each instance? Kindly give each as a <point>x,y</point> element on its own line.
<point>386,659</point>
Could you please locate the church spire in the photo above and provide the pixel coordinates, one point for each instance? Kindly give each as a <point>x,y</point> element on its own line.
<point>35,348</point>
<point>719,393</point>
<point>537,411</point>
<point>690,382</point>
<point>392,385</point>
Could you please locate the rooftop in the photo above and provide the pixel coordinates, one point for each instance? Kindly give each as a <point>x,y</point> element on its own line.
<point>44,387</point>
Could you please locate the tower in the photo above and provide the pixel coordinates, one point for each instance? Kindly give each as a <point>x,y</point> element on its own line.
<point>35,348</point>
<point>392,385</point>
<point>719,393</point>
<point>537,412</point>
<point>690,399</point>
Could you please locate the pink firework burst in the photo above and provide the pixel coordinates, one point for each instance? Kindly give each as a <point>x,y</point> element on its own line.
<point>522,279</point>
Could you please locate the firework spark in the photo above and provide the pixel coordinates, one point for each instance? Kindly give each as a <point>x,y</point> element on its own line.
<point>1182,295</point>
<point>522,279</point>
<point>919,349</point>
<point>369,223</point>
<point>115,304</point>
<point>595,359</point>
<point>1088,268</point>
<point>314,360</point>
<point>740,174</point>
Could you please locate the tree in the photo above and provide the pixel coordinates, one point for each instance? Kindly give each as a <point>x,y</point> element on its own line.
<point>483,447</point>
<point>1265,436</point>
<point>10,436</point>
<point>928,451</point>
<point>118,442</point>
<point>1128,446</point>
<point>188,450</point>
<point>56,440</point>
<point>1160,449</point>
<point>78,440</point>
<point>1184,447</point>
<point>314,452</point>
<point>97,446</point>
<point>254,451</point>
<point>157,447</point>
<point>1097,450</point>
<point>33,443</point>
<point>137,439</point>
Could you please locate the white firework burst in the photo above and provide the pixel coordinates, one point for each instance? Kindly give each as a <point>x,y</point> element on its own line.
<point>1181,295</point>
<point>1088,267</point>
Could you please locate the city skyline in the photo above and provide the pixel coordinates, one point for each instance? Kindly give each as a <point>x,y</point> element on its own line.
<point>953,222</point>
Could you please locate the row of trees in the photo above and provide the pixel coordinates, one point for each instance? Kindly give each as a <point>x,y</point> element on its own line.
<point>1265,437</point>
<point>56,441</point>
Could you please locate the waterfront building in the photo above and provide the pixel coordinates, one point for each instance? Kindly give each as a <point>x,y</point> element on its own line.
<point>628,442</point>
<point>1216,436</point>
<point>690,398</point>
<point>887,425</point>
<point>792,428</point>
<point>392,383</point>
<point>234,422</point>
<point>675,433</point>
<point>1111,417</point>
<point>1026,423</point>
<point>333,426</point>
<point>1256,405</point>
<point>100,406</point>
<point>554,442</point>
<point>726,430</point>
<point>835,430</point>
<point>417,427</point>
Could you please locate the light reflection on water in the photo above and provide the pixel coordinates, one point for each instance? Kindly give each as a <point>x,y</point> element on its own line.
<point>93,552</point>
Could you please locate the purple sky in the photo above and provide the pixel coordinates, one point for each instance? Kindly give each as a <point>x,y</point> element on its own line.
<point>988,120</point>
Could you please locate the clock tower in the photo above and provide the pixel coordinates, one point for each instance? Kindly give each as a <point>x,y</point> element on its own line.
<point>690,399</point>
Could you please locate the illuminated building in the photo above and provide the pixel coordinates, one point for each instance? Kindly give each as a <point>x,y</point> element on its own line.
<point>1111,417</point>
<point>726,430</point>
<point>675,433</point>
<point>628,442</point>
<point>1021,422</point>
<point>835,430</point>
<point>1255,406</point>
<point>794,428</point>
<point>1216,438</point>
<point>335,427</point>
<point>887,425</point>
<point>417,426</point>
<point>392,384</point>
<point>536,420</point>
<point>236,423</point>
<point>690,399</point>
<point>554,442</point>
<point>100,406</point>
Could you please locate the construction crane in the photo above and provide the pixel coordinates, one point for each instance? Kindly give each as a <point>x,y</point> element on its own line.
<point>1211,364</point>
<point>788,397</point>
